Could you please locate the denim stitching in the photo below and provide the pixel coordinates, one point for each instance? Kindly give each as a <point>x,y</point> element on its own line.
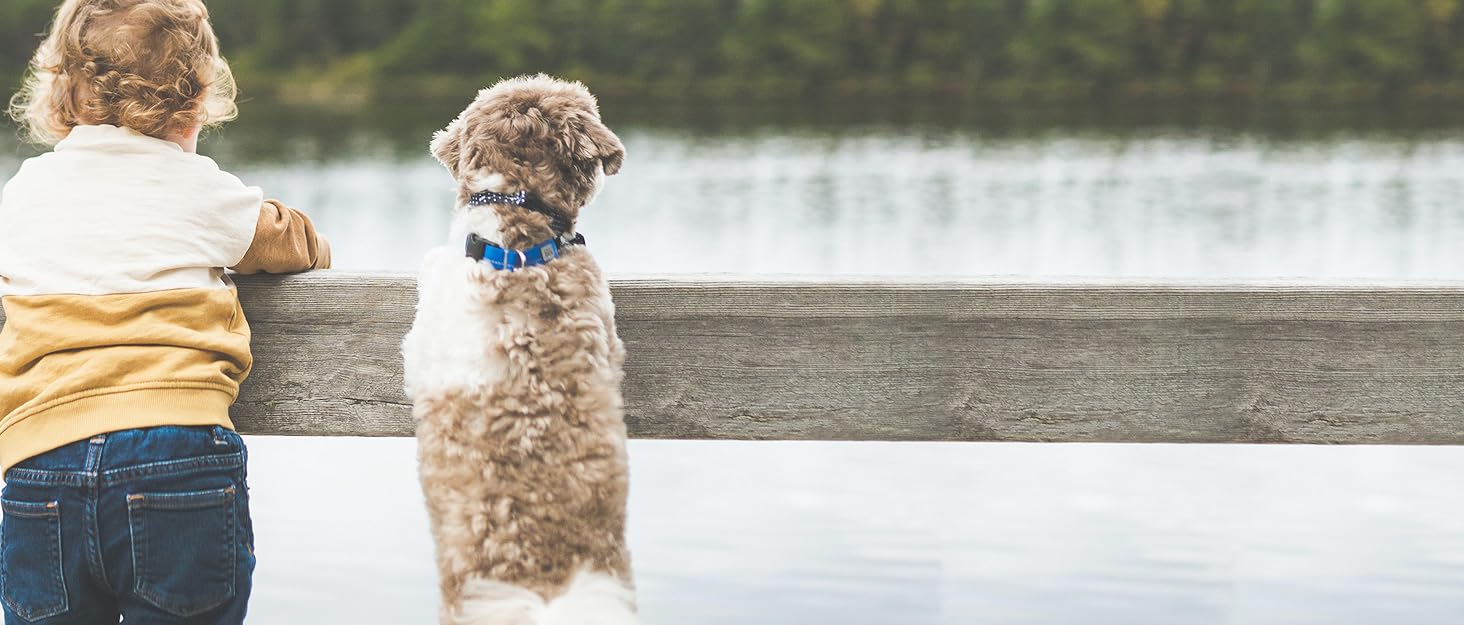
<point>90,522</point>
<point>38,477</point>
<point>27,510</point>
<point>60,576</point>
<point>137,563</point>
<point>90,476</point>
<point>116,477</point>
<point>53,513</point>
<point>194,500</point>
<point>137,502</point>
<point>234,543</point>
<point>94,556</point>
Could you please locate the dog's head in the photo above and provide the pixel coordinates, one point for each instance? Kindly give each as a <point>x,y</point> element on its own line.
<point>532,133</point>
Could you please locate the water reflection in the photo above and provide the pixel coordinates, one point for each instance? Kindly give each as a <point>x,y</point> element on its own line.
<point>881,201</point>
<point>915,198</point>
<point>927,534</point>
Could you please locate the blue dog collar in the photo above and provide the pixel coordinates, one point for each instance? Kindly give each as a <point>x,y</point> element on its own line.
<point>505,259</point>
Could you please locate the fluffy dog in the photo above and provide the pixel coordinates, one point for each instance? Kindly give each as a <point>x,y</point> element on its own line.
<point>513,367</point>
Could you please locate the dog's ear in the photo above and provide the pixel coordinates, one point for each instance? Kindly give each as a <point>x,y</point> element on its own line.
<point>447,146</point>
<point>588,139</point>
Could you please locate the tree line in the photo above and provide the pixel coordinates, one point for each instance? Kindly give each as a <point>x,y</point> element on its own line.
<point>927,48</point>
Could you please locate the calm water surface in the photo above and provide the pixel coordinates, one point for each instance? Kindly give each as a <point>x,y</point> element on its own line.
<point>910,534</point>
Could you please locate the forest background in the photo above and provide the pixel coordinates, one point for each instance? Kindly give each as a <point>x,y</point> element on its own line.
<point>1306,51</point>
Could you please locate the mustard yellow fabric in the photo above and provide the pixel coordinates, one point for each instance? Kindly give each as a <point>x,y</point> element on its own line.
<point>73,366</point>
<point>118,313</point>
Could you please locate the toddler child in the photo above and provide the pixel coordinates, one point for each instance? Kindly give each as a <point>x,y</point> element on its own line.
<point>123,344</point>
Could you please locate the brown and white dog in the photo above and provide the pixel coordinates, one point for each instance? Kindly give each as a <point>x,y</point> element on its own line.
<point>513,368</point>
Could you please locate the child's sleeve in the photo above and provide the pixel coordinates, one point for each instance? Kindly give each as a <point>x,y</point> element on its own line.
<point>284,242</point>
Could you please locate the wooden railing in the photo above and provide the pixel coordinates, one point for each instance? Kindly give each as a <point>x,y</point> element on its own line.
<point>926,360</point>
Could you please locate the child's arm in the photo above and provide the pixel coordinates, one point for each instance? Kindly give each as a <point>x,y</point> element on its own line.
<point>284,242</point>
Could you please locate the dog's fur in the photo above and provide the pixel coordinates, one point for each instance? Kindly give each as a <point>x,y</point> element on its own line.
<point>515,376</point>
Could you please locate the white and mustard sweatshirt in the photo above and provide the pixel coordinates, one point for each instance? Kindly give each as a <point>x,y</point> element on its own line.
<point>118,314</point>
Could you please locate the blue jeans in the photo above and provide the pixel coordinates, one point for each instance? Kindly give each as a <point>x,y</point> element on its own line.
<point>148,525</point>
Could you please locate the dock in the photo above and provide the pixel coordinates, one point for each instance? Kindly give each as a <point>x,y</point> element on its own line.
<point>900,359</point>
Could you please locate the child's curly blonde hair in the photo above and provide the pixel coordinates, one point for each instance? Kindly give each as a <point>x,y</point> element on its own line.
<point>149,65</point>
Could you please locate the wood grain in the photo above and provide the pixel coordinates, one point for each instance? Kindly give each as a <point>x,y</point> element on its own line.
<point>927,360</point>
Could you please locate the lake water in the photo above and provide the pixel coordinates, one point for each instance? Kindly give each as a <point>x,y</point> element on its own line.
<point>912,534</point>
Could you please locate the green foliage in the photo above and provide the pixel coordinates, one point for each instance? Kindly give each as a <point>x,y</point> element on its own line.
<point>754,48</point>
<point>21,25</point>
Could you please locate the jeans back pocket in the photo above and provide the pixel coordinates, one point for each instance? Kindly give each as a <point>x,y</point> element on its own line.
<point>31,581</point>
<point>184,554</point>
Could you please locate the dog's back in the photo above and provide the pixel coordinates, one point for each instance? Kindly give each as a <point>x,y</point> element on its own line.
<point>514,372</point>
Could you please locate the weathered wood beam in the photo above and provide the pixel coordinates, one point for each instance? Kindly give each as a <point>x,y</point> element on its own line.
<point>927,360</point>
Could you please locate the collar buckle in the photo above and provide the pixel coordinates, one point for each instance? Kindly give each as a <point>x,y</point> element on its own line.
<point>503,259</point>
